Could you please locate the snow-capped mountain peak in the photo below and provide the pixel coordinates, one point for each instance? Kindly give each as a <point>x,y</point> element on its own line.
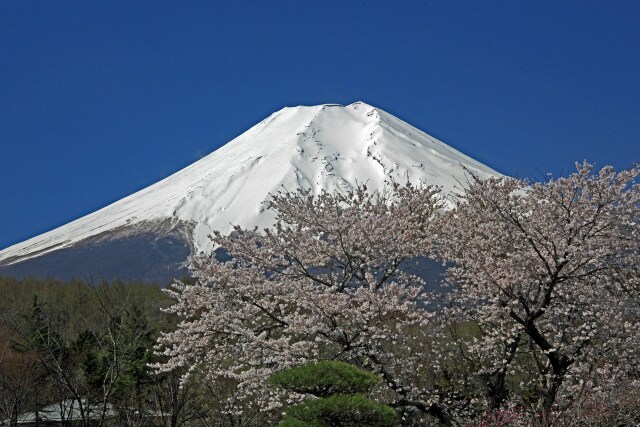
<point>323,147</point>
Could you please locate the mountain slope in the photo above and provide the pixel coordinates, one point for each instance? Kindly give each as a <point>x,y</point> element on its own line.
<point>324,147</point>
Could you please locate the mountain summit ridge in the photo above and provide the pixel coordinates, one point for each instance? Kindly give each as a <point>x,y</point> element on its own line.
<point>323,147</point>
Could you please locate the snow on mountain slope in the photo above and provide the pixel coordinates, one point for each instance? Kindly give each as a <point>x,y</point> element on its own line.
<point>323,147</point>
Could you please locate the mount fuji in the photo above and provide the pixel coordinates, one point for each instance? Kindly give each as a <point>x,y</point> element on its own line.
<point>150,234</point>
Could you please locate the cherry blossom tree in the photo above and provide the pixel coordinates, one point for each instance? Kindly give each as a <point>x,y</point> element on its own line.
<point>327,282</point>
<point>543,312</point>
<point>548,271</point>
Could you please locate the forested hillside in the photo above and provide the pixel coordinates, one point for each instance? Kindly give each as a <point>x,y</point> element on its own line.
<point>89,345</point>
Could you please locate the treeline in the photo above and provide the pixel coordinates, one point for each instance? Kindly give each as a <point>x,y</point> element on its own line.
<point>85,350</point>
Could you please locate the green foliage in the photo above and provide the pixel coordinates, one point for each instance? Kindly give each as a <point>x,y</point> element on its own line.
<point>326,378</point>
<point>69,340</point>
<point>341,410</point>
<point>41,332</point>
<point>294,422</point>
<point>139,338</point>
<point>96,341</point>
<point>339,387</point>
<point>123,351</point>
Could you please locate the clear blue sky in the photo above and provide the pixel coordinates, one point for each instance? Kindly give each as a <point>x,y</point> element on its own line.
<point>99,99</point>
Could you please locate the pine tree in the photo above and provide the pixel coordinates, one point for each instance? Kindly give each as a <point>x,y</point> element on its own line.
<point>340,400</point>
